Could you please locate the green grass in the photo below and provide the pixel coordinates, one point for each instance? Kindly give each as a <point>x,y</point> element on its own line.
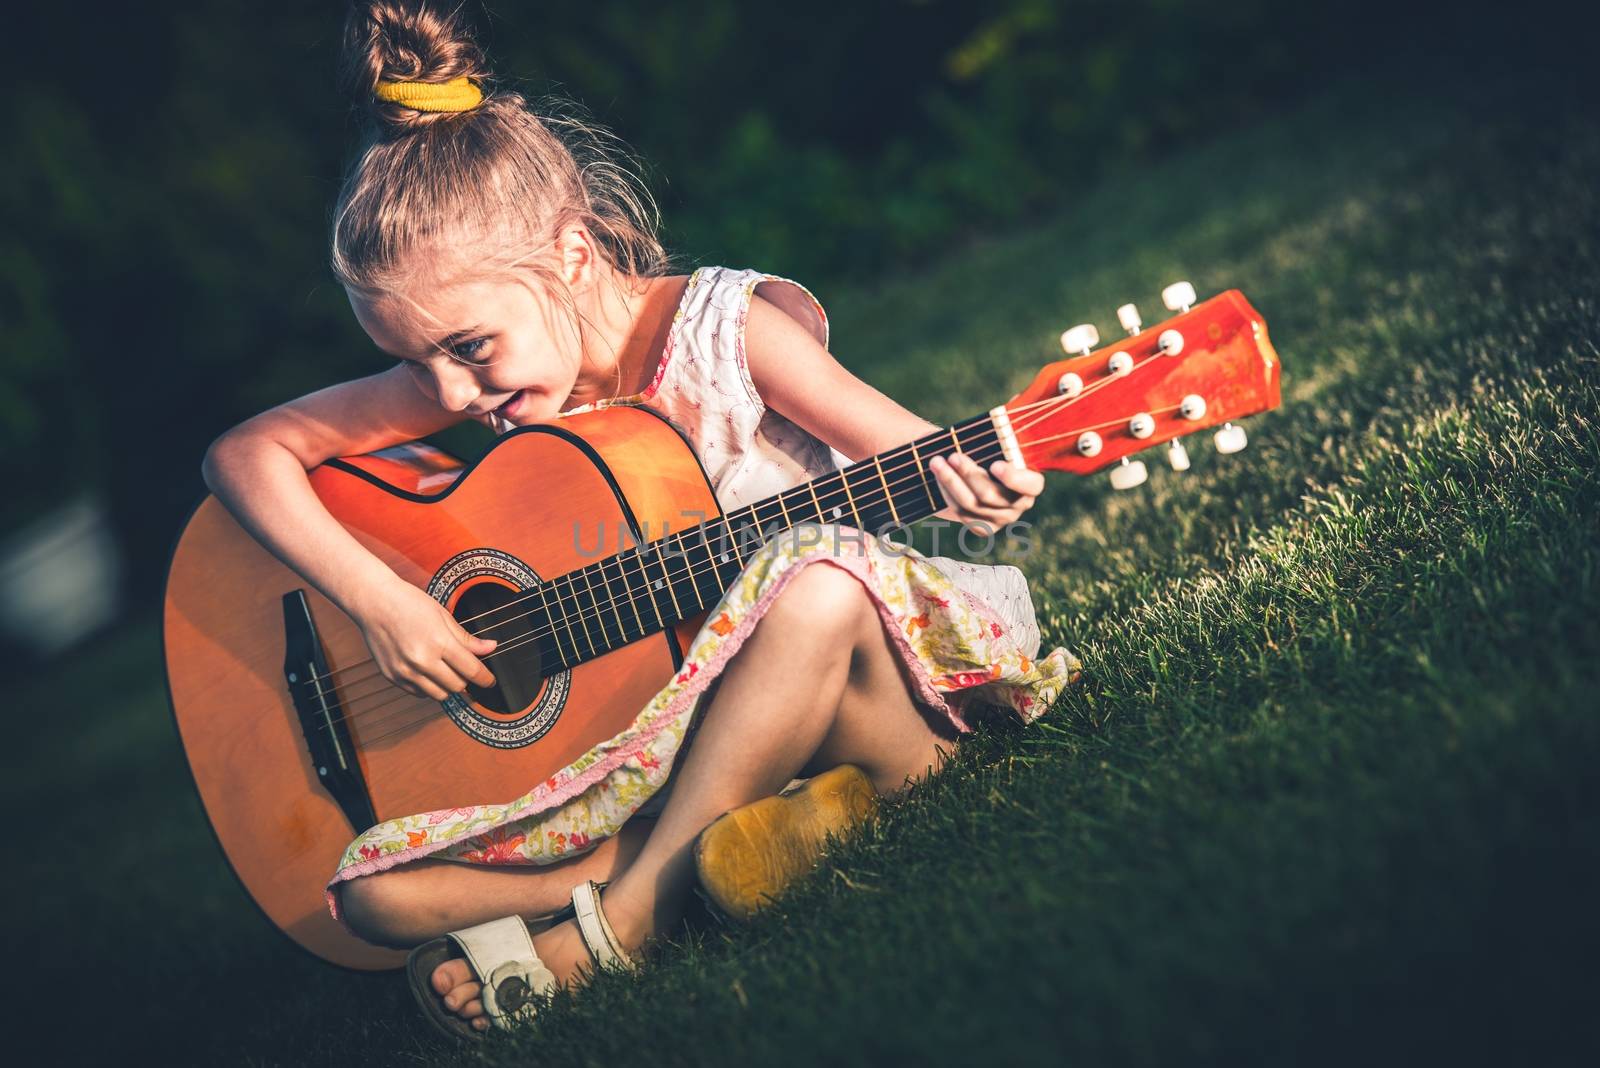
<point>1325,792</point>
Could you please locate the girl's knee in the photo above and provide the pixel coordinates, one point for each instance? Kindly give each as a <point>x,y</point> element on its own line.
<point>374,907</point>
<point>823,595</point>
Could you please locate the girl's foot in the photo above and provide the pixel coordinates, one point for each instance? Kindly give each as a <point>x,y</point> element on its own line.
<point>561,949</point>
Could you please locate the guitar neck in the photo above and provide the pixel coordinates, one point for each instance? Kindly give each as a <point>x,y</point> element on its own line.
<point>1206,365</point>
<point>672,576</point>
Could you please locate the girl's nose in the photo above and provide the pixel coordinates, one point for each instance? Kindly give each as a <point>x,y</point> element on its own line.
<point>454,385</point>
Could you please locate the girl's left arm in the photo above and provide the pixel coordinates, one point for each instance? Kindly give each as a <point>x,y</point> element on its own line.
<point>799,378</point>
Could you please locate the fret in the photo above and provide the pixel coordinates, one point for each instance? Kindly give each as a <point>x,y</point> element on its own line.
<point>728,537</point>
<point>718,559</point>
<point>955,438</point>
<point>666,577</point>
<point>567,616</point>
<point>887,495</point>
<point>599,615</point>
<point>738,525</point>
<point>597,576</point>
<point>764,528</point>
<point>551,622</point>
<point>684,551</point>
<point>922,473</point>
<point>815,502</point>
<point>709,579</point>
<point>844,480</point>
<point>583,628</point>
<point>787,522</point>
<point>704,577</point>
<point>610,597</point>
<point>638,555</point>
<point>632,603</point>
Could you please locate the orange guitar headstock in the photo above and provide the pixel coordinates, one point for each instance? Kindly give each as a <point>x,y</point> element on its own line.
<point>1209,365</point>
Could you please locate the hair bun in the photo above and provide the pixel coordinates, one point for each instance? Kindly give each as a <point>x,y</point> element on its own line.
<point>406,41</point>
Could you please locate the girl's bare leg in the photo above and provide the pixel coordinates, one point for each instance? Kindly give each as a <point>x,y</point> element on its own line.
<point>423,899</point>
<point>815,685</point>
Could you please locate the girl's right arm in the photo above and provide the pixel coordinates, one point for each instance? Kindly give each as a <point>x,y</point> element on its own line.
<point>258,471</point>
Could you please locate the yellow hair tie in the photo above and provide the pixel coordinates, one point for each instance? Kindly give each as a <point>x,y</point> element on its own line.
<point>457,94</point>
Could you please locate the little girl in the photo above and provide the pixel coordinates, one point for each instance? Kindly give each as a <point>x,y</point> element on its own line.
<point>508,264</point>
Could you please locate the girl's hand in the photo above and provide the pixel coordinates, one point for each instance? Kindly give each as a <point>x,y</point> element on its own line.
<point>992,498</point>
<point>417,643</point>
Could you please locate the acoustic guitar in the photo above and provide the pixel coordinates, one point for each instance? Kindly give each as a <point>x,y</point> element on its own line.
<point>298,744</point>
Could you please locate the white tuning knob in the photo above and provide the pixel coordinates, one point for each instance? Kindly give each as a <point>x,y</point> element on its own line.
<point>1230,439</point>
<point>1128,474</point>
<point>1193,407</point>
<point>1089,443</point>
<point>1170,342</point>
<point>1142,425</point>
<point>1178,456</point>
<point>1069,385</point>
<point>1128,316</point>
<point>1080,340</point>
<point>1178,296</point>
<point>1120,364</point>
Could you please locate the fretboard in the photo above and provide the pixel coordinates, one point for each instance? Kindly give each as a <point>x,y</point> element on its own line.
<point>675,575</point>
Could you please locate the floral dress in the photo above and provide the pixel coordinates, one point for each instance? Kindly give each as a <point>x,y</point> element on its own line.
<point>965,632</point>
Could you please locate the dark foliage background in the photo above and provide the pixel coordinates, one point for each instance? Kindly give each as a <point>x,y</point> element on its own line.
<point>168,168</point>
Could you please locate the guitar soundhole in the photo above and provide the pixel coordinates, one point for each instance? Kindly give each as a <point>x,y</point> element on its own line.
<point>488,608</point>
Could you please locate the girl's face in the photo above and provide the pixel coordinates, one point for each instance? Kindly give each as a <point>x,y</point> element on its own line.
<point>480,347</point>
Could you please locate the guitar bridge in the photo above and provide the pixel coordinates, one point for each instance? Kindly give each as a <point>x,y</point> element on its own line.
<point>322,718</point>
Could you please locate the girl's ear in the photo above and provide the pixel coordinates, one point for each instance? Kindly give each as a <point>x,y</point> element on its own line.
<point>576,250</point>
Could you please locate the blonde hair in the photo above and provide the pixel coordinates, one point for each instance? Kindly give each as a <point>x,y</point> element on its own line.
<point>500,178</point>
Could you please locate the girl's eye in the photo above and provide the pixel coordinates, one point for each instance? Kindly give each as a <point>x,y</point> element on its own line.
<point>468,350</point>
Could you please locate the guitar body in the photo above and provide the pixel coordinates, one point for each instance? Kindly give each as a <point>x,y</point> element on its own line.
<point>531,507</point>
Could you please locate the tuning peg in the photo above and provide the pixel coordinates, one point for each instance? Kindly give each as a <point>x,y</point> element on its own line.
<point>1170,342</point>
<point>1080,340</point>
<point>1193,407</point>
<point>1119,364</point>
<point>1178,456</point>
<point>1230,439</point>
<point>1128,474</point>
<point>1178,296</point>
<point>1128,316</point>
<point>1089,443</point>
<point>1142,425</point>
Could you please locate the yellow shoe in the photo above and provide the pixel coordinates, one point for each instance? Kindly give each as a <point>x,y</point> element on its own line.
<point>749,855</point>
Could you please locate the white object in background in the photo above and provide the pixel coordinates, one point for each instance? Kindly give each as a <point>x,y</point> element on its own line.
<point>1128,316</point>
<point>59,578</point>
<point>1193,407</point>
<point>1068,385</point>
<point>1178,297</point>
<point>1089,443</point>
<point>1230,439</point>
<point>1178,456</point>
<point>1119,364</point>
<point>1142,425</point>
<point>1128,474</point>
<point>1080,340</point>
<point>1170,342</point>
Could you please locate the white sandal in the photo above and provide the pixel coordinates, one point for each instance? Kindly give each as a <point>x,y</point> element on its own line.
<point>501,955</point>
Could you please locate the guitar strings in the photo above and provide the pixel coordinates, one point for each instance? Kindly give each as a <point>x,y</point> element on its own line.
<point>692,573</point>
<point>434,706</point>
<point>632,602</point>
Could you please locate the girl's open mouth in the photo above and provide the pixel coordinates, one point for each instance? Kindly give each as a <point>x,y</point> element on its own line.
<point>509,408</point>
